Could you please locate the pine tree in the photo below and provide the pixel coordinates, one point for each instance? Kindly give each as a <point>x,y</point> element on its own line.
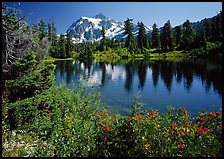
<point>128,31</point>
<point>103,40</point>
<point>68,45</point>
<point>178,35</point>
<point>42,29</point>
<point>15,37</point>
<point>62,51</point>
<point>155,36</point>
<point>188,34</point>
<point>142,38</point>
<point>207,29</point>
<point>49,33</point>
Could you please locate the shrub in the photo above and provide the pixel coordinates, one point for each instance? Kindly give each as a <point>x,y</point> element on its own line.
<point>70,122</point>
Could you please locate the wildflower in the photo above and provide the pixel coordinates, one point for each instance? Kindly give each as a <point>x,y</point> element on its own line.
<point>72,119</point>
<point>97,114</point>
<point>105,140</point>
<point>153,113</point>
<point>139,117</point>
<point>200,130</point>
<point>217,113</point>
<point>49,111</point>
<point>205,129</point>
<point>129,117</point>
<point>99,121</point>
<point>173,125</point>
<point>178,155</point>
<point>62,105</point>
<point>18,99</point>
<point>210,114</point>
<point>202,120</point>
<point>148,147</point>
<point>181,146</point>
<point>107,128</point>
<point>105,114</point>
<point>44,106</point>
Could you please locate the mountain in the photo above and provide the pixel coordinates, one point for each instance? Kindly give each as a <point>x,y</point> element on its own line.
<point>89,29</point>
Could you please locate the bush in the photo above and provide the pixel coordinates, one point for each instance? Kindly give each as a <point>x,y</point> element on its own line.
<point>71,123</point>
<point>32,83</point>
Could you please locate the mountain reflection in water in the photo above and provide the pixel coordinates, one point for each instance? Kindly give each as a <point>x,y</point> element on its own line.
<point>196,84</point>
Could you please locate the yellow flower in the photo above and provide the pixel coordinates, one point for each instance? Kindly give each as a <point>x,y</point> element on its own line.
<point>148,147</point>
<point>179,155</point>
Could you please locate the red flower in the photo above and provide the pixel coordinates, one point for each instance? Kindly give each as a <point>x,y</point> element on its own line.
<point>105,140</point>
<point>217,113</point>
<point>202,120</point>
<point>153,113</point>
<point>72,119</point>
<point>107,128</point>
<point>105,114</point>
<point>200,130</point>
<point>210,114</point>
<point>173,125</point>
<point>139,117</point>
<point>181,146</point>
<point>62,105</point>
<point>129,118</point>
<point>205,129</point>
<point>99,121</point>
<point>97,114</point>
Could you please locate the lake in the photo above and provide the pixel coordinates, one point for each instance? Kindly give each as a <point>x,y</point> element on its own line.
<point>195,84</point>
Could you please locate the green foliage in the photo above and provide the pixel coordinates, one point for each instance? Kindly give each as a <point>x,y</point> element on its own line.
<point>128,30</point>
<point>33,82</point>
<point>25,64</point>
<point>167,38</point>
<point>155,36</point>
<point>142,37</point>
<point>68,123</point>
<point>42,29</point>
<point>188,35</point>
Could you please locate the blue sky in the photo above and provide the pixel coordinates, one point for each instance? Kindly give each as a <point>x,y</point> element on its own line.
<point>65,13</point>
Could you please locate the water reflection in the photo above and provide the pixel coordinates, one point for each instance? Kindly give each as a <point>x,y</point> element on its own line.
<point>166,75</point>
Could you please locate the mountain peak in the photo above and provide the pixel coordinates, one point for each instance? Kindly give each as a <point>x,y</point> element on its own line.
<point>100,16</point>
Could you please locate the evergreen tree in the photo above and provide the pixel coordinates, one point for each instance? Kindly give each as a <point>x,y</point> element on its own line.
<point>170,36</point>
<point>62,51</point>
<point>42,29</point>
<point>15,37</point>
<point>188,34</point>
<point>128,31</point>
<point>178,35</point>
<point>142,38</point>
<point>68,45</point>
<point>155,36</point>
<point>103,40</point>
<point>207,29</point>
<point>49,33</point>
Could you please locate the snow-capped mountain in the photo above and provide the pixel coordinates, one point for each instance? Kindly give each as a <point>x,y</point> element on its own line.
<point>90,29</point>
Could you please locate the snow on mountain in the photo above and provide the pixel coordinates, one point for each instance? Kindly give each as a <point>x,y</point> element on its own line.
<point>90,29</point>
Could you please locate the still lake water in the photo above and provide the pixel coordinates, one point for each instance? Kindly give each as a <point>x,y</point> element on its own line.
<point>194,84</point>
